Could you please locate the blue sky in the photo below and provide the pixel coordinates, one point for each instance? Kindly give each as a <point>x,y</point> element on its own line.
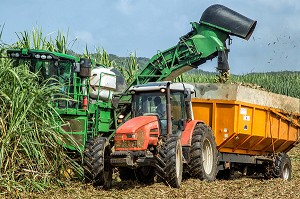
<point>146,26</point>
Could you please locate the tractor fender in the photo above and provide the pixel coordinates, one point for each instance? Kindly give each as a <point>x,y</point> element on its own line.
<point>186,137</point>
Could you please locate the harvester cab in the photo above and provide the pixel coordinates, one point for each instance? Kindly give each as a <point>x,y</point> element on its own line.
<point>84,104</point>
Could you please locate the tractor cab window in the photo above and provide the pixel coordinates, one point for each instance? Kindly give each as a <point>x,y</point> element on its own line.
<point>150,103</point>
<point>177,110</point>
<point>154,103</point>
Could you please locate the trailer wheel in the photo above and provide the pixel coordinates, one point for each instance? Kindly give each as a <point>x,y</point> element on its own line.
<point>283,166</point>
<point>97,167</point>
<point>145,174</point>
<point>169,165</point>
<point>203,154</point>
<point>126,173</point>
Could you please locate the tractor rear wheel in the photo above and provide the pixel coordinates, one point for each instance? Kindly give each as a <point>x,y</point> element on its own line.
<point>282,167</point>
<point>145,174</point>
<point>169,164</point>
<point>203,154</point>
<point>97,167</point>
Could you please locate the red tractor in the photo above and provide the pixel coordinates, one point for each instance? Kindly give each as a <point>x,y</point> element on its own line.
<point>162,138</point>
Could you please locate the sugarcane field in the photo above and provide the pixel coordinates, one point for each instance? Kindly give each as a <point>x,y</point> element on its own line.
<point>150,99</point>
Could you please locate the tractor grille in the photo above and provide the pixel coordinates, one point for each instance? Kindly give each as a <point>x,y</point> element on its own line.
<point>126,144</point>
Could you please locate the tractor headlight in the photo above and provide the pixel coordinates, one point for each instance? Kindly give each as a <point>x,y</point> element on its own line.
<point>162,90</point>
<point>131,135</point>
<point>120,118</point>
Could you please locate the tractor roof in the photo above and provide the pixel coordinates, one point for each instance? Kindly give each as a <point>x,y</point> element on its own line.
<point>155,86</point>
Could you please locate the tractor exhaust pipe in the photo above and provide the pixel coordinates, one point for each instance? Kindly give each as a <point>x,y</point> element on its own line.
<point>169,116</point>
<point>221,17</point>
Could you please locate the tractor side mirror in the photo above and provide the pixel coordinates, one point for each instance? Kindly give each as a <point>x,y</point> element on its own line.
<point>187,95</point>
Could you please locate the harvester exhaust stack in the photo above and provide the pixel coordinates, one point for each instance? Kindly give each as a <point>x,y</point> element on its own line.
<point>225,18</point>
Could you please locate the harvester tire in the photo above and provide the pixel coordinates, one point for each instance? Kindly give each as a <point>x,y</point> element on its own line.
<point>282,167</point>
<point>203,154</point>
<point>97,167</point>
<point>169,164</point>
<point>126,173</point>
<point>145,174</point>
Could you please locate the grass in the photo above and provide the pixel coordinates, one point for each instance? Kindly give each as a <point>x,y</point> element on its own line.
<point>31,157</point>
<point>35,39</point>
<point>239,187</point>
<point>285,82</point>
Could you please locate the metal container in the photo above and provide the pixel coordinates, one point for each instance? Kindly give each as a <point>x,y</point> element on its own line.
<point>248,121</point>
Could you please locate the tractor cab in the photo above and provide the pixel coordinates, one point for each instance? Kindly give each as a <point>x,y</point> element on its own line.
<point>158,109</point>
<point>152,99</point>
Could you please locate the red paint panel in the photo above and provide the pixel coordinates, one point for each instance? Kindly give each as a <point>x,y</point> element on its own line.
<point>186,137</point>
<point>137,134</point>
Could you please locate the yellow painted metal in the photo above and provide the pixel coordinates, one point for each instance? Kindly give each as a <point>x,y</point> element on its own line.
<point>245,128</point>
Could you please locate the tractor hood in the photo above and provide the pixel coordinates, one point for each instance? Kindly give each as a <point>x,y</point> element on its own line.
<point>132,125</point>
<point>137,134</point>
<point>225,18</point>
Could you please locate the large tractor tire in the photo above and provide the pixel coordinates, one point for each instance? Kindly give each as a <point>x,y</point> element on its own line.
<point>282,167</point>
<point>97,167</point>
<point>203,154</point>
<point>145,174</point>
<point>169,164</point>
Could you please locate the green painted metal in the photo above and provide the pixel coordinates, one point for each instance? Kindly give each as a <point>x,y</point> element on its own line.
<point>75,121</point>
<point>193,49</point>
<point>202,43</point>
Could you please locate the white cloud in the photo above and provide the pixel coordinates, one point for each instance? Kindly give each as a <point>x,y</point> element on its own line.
<point>125,6</point>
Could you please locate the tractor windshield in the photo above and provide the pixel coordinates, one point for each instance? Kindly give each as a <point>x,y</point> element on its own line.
<point>150,102</point>
<point>154,103</point>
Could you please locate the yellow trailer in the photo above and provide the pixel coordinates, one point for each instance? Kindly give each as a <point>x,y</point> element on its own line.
<point>250,126</point>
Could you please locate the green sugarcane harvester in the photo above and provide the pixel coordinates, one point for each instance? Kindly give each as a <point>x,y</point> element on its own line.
<point>92,105</point>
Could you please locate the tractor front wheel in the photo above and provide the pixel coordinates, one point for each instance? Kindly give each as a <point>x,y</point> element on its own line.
<point>97,167</point>
<point>169,164</point>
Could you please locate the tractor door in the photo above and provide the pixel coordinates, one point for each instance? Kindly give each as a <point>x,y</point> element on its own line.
<point>178,112</point>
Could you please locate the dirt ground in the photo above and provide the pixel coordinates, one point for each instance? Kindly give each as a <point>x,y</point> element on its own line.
<point>240,187</point>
